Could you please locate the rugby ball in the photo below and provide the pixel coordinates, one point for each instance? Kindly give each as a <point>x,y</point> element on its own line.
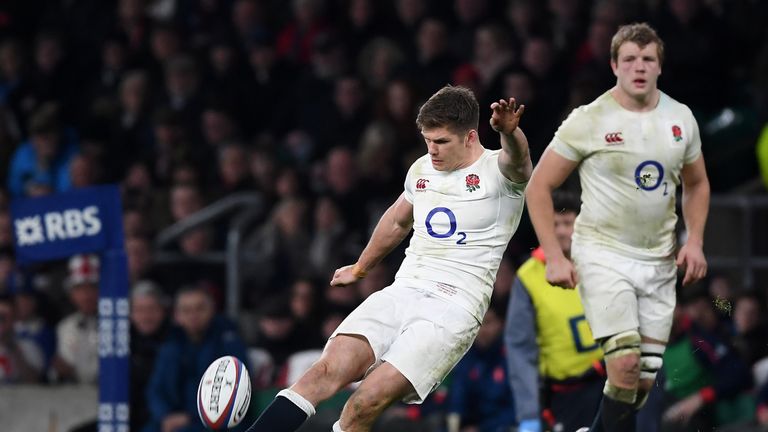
<point>224,393</point>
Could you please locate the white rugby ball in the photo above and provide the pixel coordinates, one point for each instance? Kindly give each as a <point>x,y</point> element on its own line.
<point>224,393</point>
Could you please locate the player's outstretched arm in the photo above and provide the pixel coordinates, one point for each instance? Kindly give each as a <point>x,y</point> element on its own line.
<point>695,210</point>
<point>550,173</point>
<point>515,159</point>
<point>393,227</point>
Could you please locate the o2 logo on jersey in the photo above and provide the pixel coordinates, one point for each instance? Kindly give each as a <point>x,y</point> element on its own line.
<point>451,221</point>
<point>649,175</point>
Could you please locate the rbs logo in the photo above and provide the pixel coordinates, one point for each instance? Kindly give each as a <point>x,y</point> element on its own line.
<point>68,224</point>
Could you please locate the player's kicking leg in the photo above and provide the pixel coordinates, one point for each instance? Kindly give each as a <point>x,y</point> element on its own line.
<point>384,386</point>
<point>344,360</point>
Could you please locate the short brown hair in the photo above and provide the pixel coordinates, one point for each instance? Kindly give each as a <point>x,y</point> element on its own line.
<point>565,201</point>
<point>640,33</point>
<point>454,108</point>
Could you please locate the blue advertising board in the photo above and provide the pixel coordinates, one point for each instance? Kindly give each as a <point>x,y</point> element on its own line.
<point>87,220</point>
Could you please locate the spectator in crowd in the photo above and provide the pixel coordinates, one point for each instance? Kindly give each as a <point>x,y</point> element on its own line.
<point>295,40</point>
<point>30,324</point>
<point>41,164</point>
<point>691,30</point>
<point>377,159</point>
<point>83,171</point>
<point>138,251</point>
<point>21,361</point>
<point>233,170</point>
<point>284,241</point>
<point>12,70</point>
<point>77,335</point>
<point>149,329</point>
<point>750,337</point>
<point>186,199</point>
<point>51,76</point>
<point>170,145</point>
<point>219,126</point>
<point>248,19</point>
<point>164,43</point>
<point>341,181</point>
<point>479,394</point>
<point>331,243</point>
<point>378,62</point>
<point>434,61</point>
<point>470,15</point>
<point>363,21</point>
<point>408,17</point>
<point>550,347</point>
<point>223,72</point>
<point>280,334</point>
<point>113,64</point>
<point>7,265</point>
<point>5,232</point>
<point>199,337</point>
<point>306,307</point>
<point>131,132</point>
<point>721,291</point>
<point>762,406</point>
<point>182,95</point>
<point>526,18</point>
<point>706,376</point>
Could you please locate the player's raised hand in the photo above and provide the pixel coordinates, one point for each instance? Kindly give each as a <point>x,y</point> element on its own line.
<point>560,272</point>
<point>691,258</point>
<point>506,116</point>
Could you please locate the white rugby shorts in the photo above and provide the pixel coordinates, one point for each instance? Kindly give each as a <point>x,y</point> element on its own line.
<point>621,293</point>
<point>422,335</point>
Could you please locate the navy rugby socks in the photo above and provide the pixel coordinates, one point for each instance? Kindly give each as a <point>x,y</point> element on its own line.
<point>617,416</point>
<point>287,412</point>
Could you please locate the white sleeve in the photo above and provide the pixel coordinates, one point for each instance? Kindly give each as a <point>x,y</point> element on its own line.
<point>693,146</point>
<point>572,138</point>
<point>507,186</point>
<point>408,185</point>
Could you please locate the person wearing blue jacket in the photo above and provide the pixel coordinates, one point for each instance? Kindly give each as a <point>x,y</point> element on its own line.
<point>708,383</point>
<point>199,338</point>
<point>41,164</point>
<point>479,395</point>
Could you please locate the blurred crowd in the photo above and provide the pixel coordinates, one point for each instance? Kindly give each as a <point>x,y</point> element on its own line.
<point>311,105</point>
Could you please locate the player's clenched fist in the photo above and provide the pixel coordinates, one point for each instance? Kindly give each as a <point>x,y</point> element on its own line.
<point>560,272</point>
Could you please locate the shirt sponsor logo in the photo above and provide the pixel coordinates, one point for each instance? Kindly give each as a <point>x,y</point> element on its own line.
<point>614,138</point>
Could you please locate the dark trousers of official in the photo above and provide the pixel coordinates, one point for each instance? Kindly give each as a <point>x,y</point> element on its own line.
<point>576,406</point>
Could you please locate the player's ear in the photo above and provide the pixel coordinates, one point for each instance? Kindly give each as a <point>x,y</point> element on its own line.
<point>471,135</point>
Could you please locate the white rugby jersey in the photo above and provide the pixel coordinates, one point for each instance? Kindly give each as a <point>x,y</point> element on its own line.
<point>630,169</point>
<point>463,221</point>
